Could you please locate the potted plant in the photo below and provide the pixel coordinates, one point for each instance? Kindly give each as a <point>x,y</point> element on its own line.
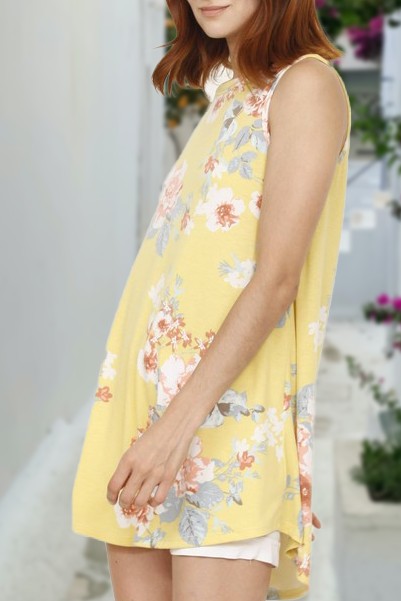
<point>368,501</point>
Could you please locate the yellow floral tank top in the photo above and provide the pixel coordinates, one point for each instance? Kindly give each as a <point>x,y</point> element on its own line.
<point>249,468</point>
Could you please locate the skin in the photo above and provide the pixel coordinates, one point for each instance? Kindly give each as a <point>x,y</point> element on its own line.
<point>308,125</point>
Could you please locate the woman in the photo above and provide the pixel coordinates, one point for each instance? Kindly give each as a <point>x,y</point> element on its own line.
<point>201,429</point>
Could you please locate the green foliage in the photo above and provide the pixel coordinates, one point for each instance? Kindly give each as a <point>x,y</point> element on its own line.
<point>380,468</point>
<point>383,133</point>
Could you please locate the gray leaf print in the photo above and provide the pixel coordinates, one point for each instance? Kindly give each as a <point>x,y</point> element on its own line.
<point>242,137</point>
<point>151,231</point>
<point>245,171</point>
<point>258,123</point>
<point>233,165</point>
<point>162,238</point>
<point>248,156</point>
<point>179,208</point>
<point>173,505</point>
<point>258,140</point>
<point>157,536</point>
<point>193,526</point>
<point>305,400</point>
<point>208,495</point>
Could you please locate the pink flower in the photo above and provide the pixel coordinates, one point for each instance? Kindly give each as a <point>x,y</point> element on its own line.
<point>383,299</point>
<point>397,303</point>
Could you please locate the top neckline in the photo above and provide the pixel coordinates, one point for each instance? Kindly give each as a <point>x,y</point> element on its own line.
<point>225,85</point>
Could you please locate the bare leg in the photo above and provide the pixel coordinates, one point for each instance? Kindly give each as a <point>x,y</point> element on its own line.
<point>219,579</point>
<point>140,574</point>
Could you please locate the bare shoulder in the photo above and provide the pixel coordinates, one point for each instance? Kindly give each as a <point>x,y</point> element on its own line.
<point>310,90</point>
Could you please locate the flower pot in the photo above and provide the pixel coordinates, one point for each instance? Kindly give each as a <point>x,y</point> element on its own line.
<point>367,534</point>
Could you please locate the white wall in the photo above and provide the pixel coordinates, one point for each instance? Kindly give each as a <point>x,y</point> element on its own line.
<point>75,89</point>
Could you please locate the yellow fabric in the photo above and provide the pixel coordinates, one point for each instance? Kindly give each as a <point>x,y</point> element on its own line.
<point>248,471</point>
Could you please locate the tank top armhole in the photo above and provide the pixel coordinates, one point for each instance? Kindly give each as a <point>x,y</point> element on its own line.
<point>278,76</point>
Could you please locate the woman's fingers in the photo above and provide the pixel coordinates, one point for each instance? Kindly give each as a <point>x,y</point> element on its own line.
<point>315,521</point>
<point>118,480</point>
<point>161,492</point>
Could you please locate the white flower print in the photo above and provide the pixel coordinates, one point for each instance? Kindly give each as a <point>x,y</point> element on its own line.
<point>238,275</point>
<point>317,328</point>
<point>108,372</point>
<point>154,292</point>
<point>173,374</point>
<point>271,431</point>
<point>240,446</point>
<point>221,208</point>
<point>255,203</point>
<point>139,517</point>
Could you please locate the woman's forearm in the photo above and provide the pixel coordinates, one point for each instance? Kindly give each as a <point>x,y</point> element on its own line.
<point>250,320</point>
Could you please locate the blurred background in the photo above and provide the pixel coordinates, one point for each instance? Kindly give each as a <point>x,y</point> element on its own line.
<point>82,161</point>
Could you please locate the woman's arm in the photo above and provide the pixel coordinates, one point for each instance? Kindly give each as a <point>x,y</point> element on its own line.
<point>308,125</point>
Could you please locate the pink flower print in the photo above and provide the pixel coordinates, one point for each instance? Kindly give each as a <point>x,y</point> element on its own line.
<point>221,208</point>
<point>254,102</point>
<point>103,393</point>
<point>203,345</point>
<point>305,489</point>
<point>162,322</point>
<point>186,223</point>
<point>147,362</point>
<point>245,460</point>
<point>255,204</point>
<point>176,332</point>
<point>195,470</point>
<point>211,164</point>
<point>139,517</point>
<point>287,401</point>
<point>304,449</point>
<point>172,187</point>
<point>303,564</point>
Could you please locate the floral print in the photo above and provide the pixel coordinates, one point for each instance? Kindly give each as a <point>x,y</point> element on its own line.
<point>239,273</point>
<point>248,470</point>
<point>317,328</point>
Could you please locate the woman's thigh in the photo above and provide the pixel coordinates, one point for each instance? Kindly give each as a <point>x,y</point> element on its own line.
<point>140,574</point>
<point>219,579</point>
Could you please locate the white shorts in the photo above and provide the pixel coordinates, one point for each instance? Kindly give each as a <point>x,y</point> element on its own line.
<point>263,548</point>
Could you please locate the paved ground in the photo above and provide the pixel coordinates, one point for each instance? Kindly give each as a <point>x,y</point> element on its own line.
<point>343,410</point>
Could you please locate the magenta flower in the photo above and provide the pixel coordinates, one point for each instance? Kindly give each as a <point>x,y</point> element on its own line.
<point>367,40</point>
<point>383,299</point>
<point>397,303</point>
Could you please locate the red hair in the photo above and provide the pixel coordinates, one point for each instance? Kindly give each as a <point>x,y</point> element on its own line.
<point>278,33</point>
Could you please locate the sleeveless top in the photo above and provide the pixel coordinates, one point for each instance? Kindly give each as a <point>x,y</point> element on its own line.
<point>249,468</point>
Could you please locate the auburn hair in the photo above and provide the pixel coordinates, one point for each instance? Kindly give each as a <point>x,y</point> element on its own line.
<point>277,33</point>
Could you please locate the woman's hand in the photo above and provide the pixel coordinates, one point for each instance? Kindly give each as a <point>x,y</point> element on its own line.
<point>154,459</point>
<point>316,522</point>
